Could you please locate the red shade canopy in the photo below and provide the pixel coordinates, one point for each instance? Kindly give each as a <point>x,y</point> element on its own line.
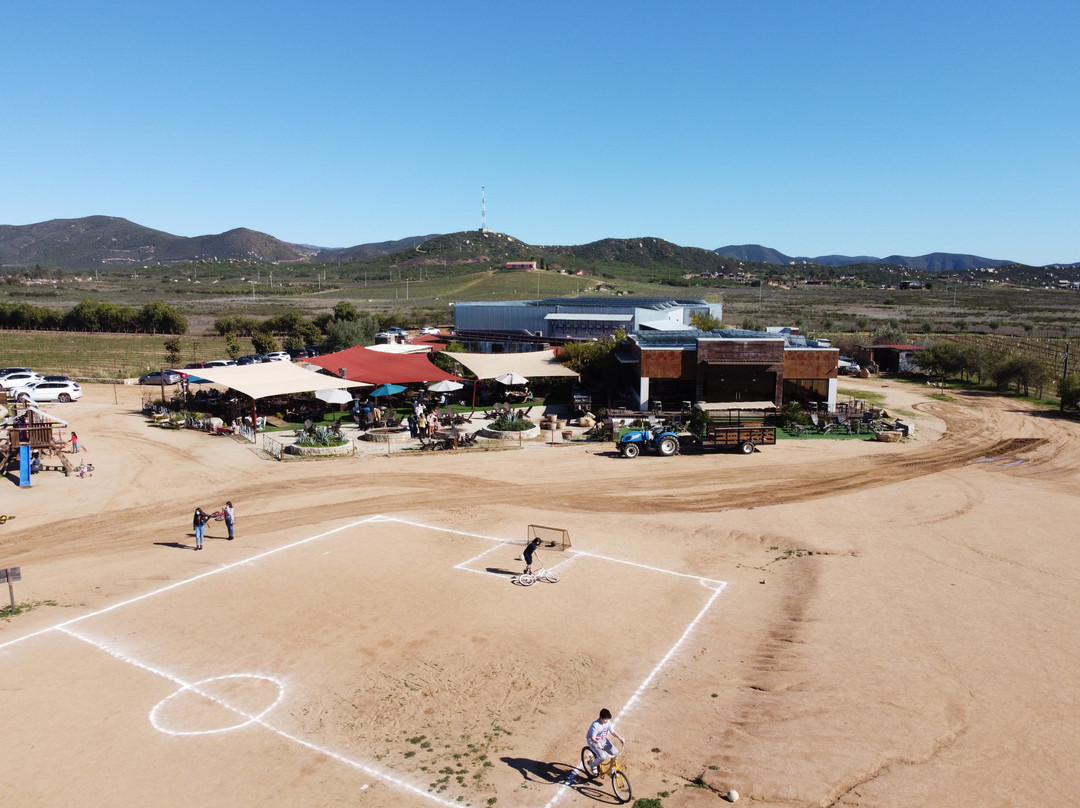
<point>377,367</point>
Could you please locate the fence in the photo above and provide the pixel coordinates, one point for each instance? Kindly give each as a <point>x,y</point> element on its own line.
<point>273,447</point>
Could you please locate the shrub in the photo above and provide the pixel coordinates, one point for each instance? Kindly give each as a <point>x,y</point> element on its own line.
<point>511,424</point>
<point>322,436</point>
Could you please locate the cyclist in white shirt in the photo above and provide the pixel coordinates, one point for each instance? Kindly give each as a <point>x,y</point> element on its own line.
<point>598,740</point>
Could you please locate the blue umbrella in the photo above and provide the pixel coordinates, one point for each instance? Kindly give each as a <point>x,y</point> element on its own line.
<point>386,390</point>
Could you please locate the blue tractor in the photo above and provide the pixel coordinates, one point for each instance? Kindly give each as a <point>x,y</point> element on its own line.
<point>657,438</point>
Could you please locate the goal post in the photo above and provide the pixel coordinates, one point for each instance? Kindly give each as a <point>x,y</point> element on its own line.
<point>553,538</point>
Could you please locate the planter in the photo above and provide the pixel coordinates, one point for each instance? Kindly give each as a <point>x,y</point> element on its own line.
<point>386,435</point>
<point>320,451</point>
<point>567,434</point>
<point>523,434</point>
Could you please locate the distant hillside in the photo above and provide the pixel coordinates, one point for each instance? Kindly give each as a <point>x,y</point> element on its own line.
<point>100,241</point>
<point>103,241</point>
<point>933,262</point>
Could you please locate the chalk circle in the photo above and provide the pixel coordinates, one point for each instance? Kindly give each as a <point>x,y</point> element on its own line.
<point>219,704</point>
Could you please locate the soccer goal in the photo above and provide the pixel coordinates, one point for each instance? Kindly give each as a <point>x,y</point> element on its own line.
<point>554,538</point>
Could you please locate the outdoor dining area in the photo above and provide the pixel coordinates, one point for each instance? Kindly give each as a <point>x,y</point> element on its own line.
<point>361,395</point>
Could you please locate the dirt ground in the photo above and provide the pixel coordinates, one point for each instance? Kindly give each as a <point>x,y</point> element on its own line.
<point>823,623</point>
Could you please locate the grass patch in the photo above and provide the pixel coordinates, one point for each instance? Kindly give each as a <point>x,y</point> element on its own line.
<point>7,612</point>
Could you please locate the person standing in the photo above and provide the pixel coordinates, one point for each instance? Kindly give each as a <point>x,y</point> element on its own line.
<point>530,551</point>
<point>74,443</point>
<point>229,513</point>
<point>199,523</point>
<point>599,742</point>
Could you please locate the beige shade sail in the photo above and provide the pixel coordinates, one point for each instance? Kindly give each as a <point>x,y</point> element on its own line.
<point>530,364</point>
<point>270,379</point>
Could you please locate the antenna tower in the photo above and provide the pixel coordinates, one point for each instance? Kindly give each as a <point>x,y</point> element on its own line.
<point>483,210</point>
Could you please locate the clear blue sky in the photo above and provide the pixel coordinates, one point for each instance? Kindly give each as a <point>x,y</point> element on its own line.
<point>860,128</point>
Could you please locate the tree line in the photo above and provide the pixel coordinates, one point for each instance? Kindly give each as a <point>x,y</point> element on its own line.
<point>89,315</point>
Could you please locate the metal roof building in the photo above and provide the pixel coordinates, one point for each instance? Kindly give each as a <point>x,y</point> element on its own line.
<point>582,317</point>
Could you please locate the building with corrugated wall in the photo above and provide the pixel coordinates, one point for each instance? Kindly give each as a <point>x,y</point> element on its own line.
<point>581,317</point>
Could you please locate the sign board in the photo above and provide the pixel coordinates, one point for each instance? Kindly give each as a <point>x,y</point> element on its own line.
<point>10,575</point>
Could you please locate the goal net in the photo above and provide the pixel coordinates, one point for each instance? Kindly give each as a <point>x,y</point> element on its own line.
<point>553,538</point>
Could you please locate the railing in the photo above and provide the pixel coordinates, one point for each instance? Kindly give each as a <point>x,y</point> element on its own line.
<point>273,448</point>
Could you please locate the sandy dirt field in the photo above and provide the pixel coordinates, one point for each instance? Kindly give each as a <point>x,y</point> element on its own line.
<point>823,623</point>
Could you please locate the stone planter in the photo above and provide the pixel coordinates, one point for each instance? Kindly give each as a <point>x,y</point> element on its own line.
<point>386,435</point>
<point>524,434</point>
<point>320,451</point>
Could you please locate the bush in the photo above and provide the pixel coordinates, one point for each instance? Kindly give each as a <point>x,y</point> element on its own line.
<point>511,424</point>
<point>322,436</point>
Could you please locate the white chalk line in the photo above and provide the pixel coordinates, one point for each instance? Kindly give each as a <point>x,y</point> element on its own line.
<point>185,582</point>
<point>252,719</point>
<point>716,586</point>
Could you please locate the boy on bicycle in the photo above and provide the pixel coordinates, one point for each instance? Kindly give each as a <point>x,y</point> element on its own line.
<point>598,741</point>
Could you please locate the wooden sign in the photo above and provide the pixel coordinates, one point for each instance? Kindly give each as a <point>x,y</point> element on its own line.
<point>10,575</point>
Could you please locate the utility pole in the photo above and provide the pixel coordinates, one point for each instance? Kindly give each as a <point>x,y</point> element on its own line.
<point>1064,376</point>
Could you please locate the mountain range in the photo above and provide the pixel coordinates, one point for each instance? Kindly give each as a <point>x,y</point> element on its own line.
<point>100,241</point>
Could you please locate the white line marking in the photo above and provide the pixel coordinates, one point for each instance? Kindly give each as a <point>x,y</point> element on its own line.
<point>717,588</point>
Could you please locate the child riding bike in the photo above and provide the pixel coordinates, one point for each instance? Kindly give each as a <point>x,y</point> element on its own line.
<point>599,742</point>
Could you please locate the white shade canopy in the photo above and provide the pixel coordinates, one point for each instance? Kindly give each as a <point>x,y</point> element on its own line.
<point>445,386</point>
<point>510,379</point>
<point>333,395</point>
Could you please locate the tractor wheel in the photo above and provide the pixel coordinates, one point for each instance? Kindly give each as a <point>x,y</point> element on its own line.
<point>630,450</point>
<point>667,447</point>
<point>746,447</point>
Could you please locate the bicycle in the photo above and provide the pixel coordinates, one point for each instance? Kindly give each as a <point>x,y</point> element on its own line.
<point>530,578</point>
<point>620,785</point>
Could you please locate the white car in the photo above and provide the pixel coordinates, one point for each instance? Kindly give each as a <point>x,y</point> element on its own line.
<point>278,356</point>
<point>19,378</point>
<point>430,330</point>
<point>49,391</point>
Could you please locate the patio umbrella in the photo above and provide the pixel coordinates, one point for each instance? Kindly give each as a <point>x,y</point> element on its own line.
<point>386,390</point>
<point>445,386</point>
<point>511,379</point>
<point>333,395</point>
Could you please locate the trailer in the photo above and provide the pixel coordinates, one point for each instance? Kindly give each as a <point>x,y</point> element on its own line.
<point>743,438</point>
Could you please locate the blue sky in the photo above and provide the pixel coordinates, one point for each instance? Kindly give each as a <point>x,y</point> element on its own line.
<point>869,128</point>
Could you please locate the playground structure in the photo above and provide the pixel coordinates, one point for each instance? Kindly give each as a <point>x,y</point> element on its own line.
<point>28,426</point>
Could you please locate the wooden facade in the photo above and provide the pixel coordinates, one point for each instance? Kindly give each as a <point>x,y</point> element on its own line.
<point>740,369</point>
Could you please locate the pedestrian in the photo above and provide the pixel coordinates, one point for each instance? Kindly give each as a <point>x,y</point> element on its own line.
<point>74,443</point>
<point>421,424</point>
<point>530,551</point>
<point>230,517</point>
<point>412,425</point>
<point>599,742</point>
<point>199,523</point>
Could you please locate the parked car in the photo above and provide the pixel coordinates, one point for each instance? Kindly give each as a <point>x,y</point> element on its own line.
<point>847,366</point>
<point>218,363</point>
<point>397,330</point>
<point>6,371</point>
<point>298,353</point>
<point>250,359</point>
<point>20,378</point>
<point>57,379</point>
<point>170,377</point>
<point>278,356</point>
<point>49,391</point>
<point>313,350</point>
<point>196,365</point>
<point>430,329</point>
